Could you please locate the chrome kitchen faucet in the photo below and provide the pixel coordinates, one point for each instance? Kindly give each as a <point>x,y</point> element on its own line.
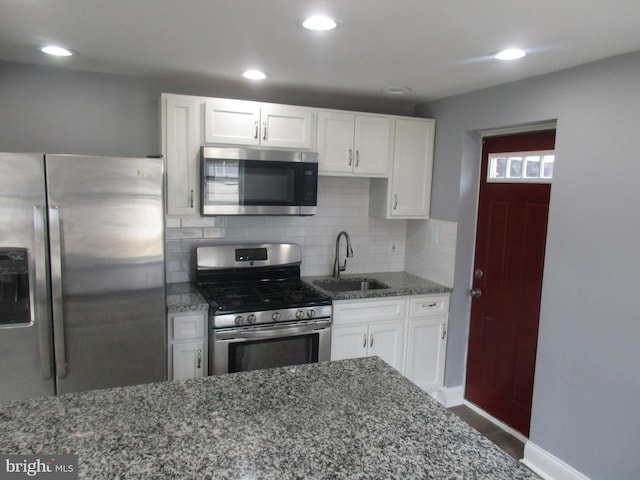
<point>336,263</point>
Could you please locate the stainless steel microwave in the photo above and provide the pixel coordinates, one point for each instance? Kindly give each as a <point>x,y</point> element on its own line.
<point>239,181</point>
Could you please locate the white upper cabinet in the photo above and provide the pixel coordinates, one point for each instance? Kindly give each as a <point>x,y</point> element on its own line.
<point>181,140</point>
<point>286,127</point>
<point>407,193</point>
<point>353,144</point>
<point>239,122</point>
<point>232,121</point>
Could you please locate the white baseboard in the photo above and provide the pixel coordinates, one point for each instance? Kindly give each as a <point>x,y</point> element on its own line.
<point>450,396</point>
<point>548,466</point>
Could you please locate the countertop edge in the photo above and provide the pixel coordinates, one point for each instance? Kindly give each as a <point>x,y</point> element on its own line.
<point>400,284</point>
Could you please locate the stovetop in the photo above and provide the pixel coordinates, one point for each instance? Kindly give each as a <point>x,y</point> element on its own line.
<point>256,285</point>
<point>258,296</point>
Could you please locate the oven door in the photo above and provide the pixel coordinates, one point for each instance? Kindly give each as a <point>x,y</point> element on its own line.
<point>268,346</point>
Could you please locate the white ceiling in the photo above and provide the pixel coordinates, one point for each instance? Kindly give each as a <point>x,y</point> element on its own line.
<point>437,48</point>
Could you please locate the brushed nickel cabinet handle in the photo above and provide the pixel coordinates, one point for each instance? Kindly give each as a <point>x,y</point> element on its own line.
<point>364,341</point>
<point>257,130</point>
<point>191,199</point>
<point>357,157</point>
<point>371,341</point>
<point>264,130</point>
<point>444,331</point>
<point>199,357</point>
<point>395,201</point>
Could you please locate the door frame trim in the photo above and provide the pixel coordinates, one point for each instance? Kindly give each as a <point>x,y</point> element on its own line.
<point>529,128</point>
<point>479,137</point>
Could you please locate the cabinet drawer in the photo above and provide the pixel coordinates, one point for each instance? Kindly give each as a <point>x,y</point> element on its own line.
<point>345,312</point>
<point>188,326</point>
<point>427,306</point>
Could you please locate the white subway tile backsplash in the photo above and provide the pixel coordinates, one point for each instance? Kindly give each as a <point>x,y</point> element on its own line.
<point>431,259</point>
<point>173,233</point>
<point>172,222</point>
<point>200,222</point>
<point>213,232</point>
<point>343,204</point>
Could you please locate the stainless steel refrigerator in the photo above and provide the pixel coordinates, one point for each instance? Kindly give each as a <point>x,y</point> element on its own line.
<point>82,301</point>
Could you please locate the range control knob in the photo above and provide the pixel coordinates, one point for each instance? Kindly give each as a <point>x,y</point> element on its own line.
<point>238,320</point>
<point>299,314</point>
<point>275,317</point>
<point>311,313</point>
<point>251,319</point>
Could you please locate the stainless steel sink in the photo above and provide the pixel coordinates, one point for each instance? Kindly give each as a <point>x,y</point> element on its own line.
<point>350,285</point>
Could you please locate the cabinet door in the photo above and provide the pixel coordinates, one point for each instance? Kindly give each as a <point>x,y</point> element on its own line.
<point>188,326</point>
<point>349,342</point>
<point>386,340</point>
<point>181,149</point>
<point>426,348</point>
<point>410,193</point>
<point>371,145</point>
<point>287,127</point>
<point>232,121</point>
<point>367,311</point>
<point>188,360</point>
<point>335,143</point>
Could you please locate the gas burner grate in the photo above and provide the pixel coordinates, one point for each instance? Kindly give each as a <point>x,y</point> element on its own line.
<point>262,293</point>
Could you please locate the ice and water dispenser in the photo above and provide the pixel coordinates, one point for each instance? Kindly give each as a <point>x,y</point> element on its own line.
<point>15,305</point>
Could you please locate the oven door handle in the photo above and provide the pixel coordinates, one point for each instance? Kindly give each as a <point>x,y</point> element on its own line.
<point>270,331</point>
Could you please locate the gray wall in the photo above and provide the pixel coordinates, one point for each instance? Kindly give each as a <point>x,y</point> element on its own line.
<point>585,403</point>
<point>57,110</point>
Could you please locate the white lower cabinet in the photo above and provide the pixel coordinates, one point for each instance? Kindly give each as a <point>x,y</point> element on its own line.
<point>386,340</point>
<point>409,333</point>
<point>364,328</point>
<point>187,345</point>
<point>427,322</point>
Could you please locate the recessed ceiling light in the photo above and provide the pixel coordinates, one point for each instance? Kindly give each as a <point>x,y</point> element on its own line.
<point>56,51</point>
<point>254,75</point>
<point>396,90</point>
<point>320,23</point>
<point>510,54</point>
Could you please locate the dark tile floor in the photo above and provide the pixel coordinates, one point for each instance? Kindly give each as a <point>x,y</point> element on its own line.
<point>502,439</point>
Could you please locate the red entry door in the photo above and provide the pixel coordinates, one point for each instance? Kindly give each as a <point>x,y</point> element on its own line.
<point>509,258</point>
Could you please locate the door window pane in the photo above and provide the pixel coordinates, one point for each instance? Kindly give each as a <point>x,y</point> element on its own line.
<point>516,167</point>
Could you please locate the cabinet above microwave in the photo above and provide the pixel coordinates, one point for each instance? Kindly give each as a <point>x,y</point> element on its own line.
<point>240,122</point>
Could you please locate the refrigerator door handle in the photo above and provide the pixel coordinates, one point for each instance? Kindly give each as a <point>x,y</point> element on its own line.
<point>56,291</point>
<point>39,312</point>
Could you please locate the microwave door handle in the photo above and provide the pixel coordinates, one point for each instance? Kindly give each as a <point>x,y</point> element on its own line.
<point>39,311</point>
<point>56,292</point>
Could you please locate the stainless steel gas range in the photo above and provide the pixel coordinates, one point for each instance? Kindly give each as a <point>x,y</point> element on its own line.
<point>261,314</point>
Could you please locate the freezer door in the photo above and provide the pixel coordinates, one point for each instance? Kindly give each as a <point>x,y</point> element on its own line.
<point>25,317</point>
<point>107,270</point>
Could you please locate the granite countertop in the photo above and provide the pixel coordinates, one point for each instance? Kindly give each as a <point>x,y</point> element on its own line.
<point>400,283</point>
<point>341,420</point>
<point>184,297</point>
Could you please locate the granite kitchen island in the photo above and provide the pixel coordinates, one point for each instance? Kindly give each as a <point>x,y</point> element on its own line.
<point>339,420</point>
